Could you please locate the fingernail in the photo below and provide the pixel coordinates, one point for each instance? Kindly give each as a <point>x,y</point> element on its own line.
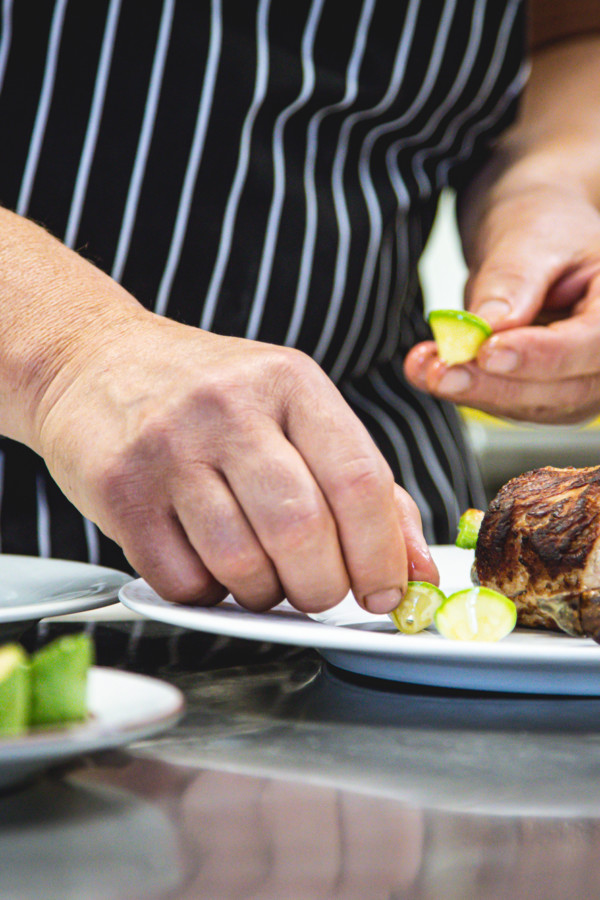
<point>383,601</point>
<point>493,311</point>
<point>421,563</point>
<point>501,361</point>
<point>455,381</point>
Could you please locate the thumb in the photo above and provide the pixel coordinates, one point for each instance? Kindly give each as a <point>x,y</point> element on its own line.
<point>509,287</point>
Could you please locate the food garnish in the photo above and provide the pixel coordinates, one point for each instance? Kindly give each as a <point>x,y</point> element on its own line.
<point>458,334</point>
<point>417,608</point>
<point>47,688</point>
<point>59,679</point>
<point>476,614</point>
<point>468,528</point>
<point>15,689</point>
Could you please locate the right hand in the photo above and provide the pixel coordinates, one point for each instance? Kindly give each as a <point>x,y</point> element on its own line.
<point>220,464</point>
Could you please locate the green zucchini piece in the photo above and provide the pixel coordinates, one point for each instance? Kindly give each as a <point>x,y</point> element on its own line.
<point>458,334</point>
<point>59,680</point>
<point>476,614</point>
<point>417,608</point>
<point>468,528</point>
<point>15,690</point>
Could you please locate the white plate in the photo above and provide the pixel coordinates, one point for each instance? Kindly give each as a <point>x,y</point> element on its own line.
<point>32,588</point>
<point>124,707</point>
<point>526,661</point>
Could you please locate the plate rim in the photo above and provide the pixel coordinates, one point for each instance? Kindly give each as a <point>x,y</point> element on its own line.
<point>29,612</point>
<point>95,733</point>
<point>234,621</point>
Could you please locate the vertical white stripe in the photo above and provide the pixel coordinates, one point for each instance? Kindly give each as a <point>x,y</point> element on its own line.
<point>344,229</point>
<point>6,38</point>
<point>370,194</point>
<point>93,126</point>
<point>143,147</point>
<point>426,451</point>
<point>468,61</point>
<point>403,275</point>
<point>33,155</point>
<point>513,90</point>
<point>92,540</point>
<point>382,300</point>
<point>274,218</point>
<point>43,109</point>
<point>226,238</point>
<point>194,160</point>
<point>487,85</point>
<point>43,517</point>
<point>458,465</point>
<point>310,190</point>
<point>409,480</point>
<point>464,71</point>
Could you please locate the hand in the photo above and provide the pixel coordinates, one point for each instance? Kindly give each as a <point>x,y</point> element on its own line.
<point>535,259</point>
<point>220,464</point>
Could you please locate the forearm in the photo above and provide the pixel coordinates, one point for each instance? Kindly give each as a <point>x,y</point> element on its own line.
<point>52,301</point>
<point>555,142</point>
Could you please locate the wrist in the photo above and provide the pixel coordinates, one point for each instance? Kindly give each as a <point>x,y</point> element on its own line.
<point>55,307</point>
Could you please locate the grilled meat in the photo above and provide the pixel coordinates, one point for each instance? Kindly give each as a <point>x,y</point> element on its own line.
<point>539,543</point>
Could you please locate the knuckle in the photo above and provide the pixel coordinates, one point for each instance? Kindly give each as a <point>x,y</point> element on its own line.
<point>291,368</point>
<point>118,481</point>
<point>217,397</point>
<point>498,278</point>
<point>242,567</point>
<point>407,503</point>
<point>298,522</point>
<point>363,478</point>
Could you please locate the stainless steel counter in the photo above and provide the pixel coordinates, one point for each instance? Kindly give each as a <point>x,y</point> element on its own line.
<point>286,779</point>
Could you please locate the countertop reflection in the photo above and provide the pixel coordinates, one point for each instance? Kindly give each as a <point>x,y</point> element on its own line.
<point>287,778</point>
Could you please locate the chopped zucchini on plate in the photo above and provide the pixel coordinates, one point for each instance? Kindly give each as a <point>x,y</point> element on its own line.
<point>476,614</point>
<point>468,528</point>
<point>417,608</point>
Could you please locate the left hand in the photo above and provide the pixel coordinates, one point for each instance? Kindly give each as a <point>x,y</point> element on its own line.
<point>535,259</point>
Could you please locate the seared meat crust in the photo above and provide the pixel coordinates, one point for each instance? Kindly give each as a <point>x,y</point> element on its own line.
<point>539,544</point>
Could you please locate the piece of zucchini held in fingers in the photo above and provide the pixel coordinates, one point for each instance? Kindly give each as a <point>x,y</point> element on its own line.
<point>539,544</point>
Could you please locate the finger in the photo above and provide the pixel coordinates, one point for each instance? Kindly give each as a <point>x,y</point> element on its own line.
<point>564,349</point>
<point>532,251</point>
<point>158,549</point>
<point>417,362</point>
<point>290,517</point>
<point>421,566</point>
<point>509,288</point>
<point>223,538</point>
<point>359,488</point>
<point>570,400</point>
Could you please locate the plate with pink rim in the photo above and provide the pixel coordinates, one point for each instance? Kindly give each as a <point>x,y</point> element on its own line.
<point>527,661</point>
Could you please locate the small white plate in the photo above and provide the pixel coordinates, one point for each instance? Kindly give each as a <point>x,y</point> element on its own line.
<point>124,707</point>
<point>527,661</point>
<point>32,588</point>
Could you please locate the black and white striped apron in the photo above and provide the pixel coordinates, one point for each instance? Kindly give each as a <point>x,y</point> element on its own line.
<point>268,169</point>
